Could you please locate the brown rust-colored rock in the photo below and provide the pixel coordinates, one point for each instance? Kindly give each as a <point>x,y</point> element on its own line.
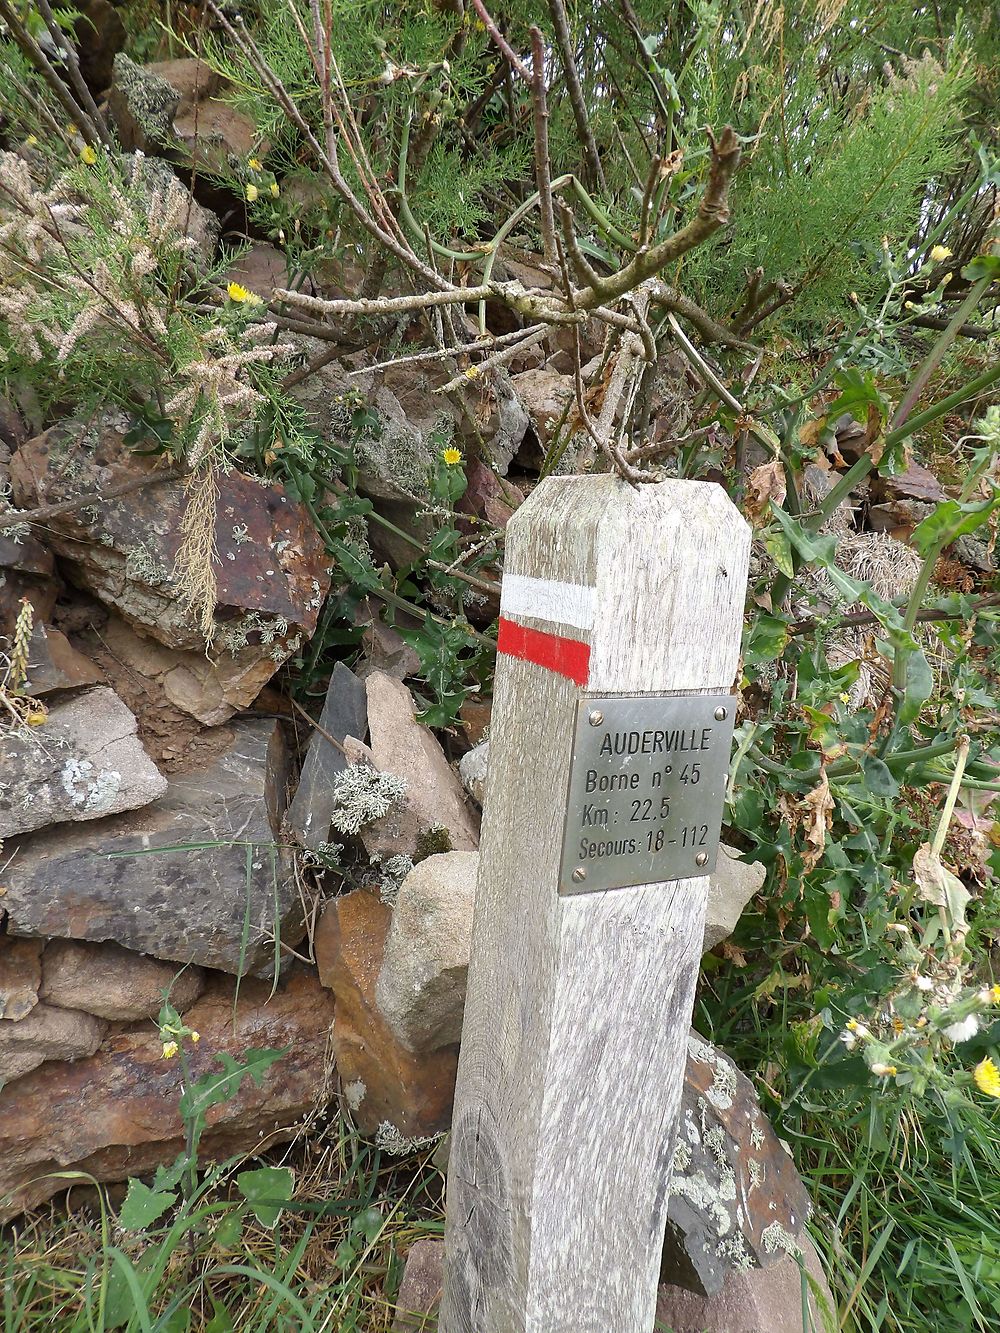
<point>272,571</point>
<point>382,1082</point>
<point>114,983</point>
<point>20,977</point>
<point>54,664</point>
<point>171,692</point>
<point>115,1114</point>
<point>754,1301</point>
<point>45,1033</point>
<point>197,877</point>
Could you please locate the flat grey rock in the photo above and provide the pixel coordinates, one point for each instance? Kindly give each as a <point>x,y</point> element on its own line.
<point>84,763</point>
<point>197,877</point>
<point>345,713</point>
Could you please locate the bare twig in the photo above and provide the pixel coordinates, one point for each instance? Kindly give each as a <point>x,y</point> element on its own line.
<point>543,177</point>
<point>647,451</point>
<point>662,294</point>
<point>44,512</point>
<point>513,59</point>
<point>32,52</point>
<point>68,52</point>
<point>564,41</point>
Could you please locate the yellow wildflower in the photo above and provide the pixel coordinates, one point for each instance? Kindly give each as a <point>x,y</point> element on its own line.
<point>254,164</point>
<point>195,1036</point>
<point>939,253</point>
<point>242,295</point>
<point>38,716</point>
<point>885,1071</point>
<point>32,140</point>
<point>472,372</point>
<point>170,1049</point>
<point>987,1077</point>
<point>273,187</point>
<point>451,457</point>
<point>72,129</point>
<point>88,155</point>
<point>995,992</point>
<point>844,697</point>
<point>252,194</point>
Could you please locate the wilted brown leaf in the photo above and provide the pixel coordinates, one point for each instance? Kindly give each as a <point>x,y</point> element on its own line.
<point>766,483</point>
<point>818,807</point>
<point>937,885</point>
<point>810,431</point>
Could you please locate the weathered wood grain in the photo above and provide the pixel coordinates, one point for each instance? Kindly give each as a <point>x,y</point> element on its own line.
<point>578,1008</point>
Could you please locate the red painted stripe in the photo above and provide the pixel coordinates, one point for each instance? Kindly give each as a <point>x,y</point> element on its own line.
<point>567,657</point>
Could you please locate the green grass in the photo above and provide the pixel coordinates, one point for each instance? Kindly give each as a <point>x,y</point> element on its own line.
<point>331,1263</point>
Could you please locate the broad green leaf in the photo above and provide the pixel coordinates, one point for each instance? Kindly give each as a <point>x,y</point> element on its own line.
<point>878,777</point>
<point>858,392</point>
<point>168,1176</point>
<point>229,1230</point>
<point>767,639</point>
<point>918,687</point>
<point>221,1320</point>
<point>951,520</point>
<point>213,1088</point>
<point>983,266</point>
<point>779,548</point>
<point>143,1206</point>
<point>266,1190</point>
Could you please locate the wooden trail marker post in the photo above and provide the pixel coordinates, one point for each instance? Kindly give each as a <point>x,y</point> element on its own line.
<point>621,614</point>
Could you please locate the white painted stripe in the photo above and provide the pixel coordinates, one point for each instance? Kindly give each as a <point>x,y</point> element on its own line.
<point>547,599</point>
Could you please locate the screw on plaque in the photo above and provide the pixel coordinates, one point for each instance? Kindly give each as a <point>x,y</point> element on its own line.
<point>720,715</point>
<point>701,859</point>
<point>579,874</point>
<point>596,718</point>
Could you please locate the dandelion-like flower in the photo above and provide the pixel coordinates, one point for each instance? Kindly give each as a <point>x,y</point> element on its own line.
<point>939,253</point>
<point>252,194</point>
<point>254,164</point>
<point>88,155</point>
<point>274,189</point>
<point>170,1049</point>
<point>884,1071</point>
<point>451,456</point>
<point>987,1078</point>
<point>195,1036</point>
<point>242,295</point>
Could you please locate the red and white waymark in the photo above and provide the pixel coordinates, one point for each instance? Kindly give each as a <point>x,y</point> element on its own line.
<point>565,604</point>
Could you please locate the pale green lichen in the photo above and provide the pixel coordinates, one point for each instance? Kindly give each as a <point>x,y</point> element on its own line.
<point>141,566</point>
<point>722,1092</point>
<point>151,100</point>
<point>396,1144</point>
<point>392,871</point>
<point>734,1249</point>
<point>774,1237</point>
<point>362,795</point>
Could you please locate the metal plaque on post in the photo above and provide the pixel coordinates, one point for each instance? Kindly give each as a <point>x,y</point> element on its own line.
<point>646,787</point>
